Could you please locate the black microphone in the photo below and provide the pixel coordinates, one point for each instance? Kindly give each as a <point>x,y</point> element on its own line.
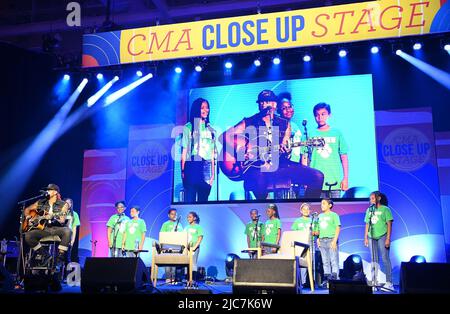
<point>211,129</point>
<point>304,122</point>
<point>44,193</point>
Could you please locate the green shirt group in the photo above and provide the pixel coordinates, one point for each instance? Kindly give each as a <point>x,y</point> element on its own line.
<point>378,218</point>
<point>254,236</point>
<point>117,229</point>
<point>271,230</point>
<point>302,224</point>
<point>327,224</point>
<point>169,226</point>
<point>203,143</point>
<point>134,229</point>
<point>194,232</point>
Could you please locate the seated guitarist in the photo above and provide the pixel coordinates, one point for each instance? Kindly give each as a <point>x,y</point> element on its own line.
<point>276,130</point>
<point>50,207</point>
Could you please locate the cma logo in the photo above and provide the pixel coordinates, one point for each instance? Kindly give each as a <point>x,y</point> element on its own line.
<point>74,16</point>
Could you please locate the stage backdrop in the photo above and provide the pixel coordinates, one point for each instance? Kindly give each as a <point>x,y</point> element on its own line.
<point>407,170</point>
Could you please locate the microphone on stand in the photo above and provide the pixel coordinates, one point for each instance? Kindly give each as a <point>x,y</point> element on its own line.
<point>44,193</point>
<point>178,221</point>
<point>211,129</point>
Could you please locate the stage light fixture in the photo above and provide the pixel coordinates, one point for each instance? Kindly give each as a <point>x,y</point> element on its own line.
<point>276,60</point>
<point>116,78</point>
<point>306,58</point>
<point>342,53</point>
<point>139,73</point>
<point>229,264</point>
<point>228,65</point>
<point>257,62</point>
<point>353,268</point>
<point>374,49</point>
<point>398,52</point>
<point>99,76</point>
<point>418,259</point>
<point>66,77</point>
<point>417,46</point>
<point>447,47</point>
<point>198,68</point>
<point>178,70</point>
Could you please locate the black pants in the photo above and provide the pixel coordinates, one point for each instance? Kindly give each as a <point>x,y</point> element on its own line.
<point>196,175</point>
<point>197,192</point>
<point>257,181</point>
<point>33,237</point>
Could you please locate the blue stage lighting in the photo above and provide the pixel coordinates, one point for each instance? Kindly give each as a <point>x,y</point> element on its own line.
<point>99,76</point>
<point>229,264</point>
<point>228,65</point>
<point>66,77</point>
<point>276,60</point>
<point>139,73</point>
<point>342,53</point>
<point>418,259</point>
<point>356,259</point>
<point>398,52</point>
<point>116,78</point>
<point>178,70</point>
<point>257,62</point>
<point>198,68</point>
<point>306,58</point>
<point>417,46</point>
<point>374,50</point>
<point>447,47</point>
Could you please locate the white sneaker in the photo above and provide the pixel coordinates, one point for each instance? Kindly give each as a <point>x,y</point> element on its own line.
<point>389,286</point>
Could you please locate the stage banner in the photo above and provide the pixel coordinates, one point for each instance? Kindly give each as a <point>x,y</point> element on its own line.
<point>103,185</point>
<point>290,29</point>
<point>409,177</point>
<point>149,177</point>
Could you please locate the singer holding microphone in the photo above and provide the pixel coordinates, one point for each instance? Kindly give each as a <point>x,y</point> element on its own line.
<point>116,228</point>
<point>377,236</point>
<point>198,154</point>
<point>171,225</point>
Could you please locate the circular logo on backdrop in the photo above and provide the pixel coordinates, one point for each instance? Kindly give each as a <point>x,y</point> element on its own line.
<point>149,160</point>
<point>406,149</point>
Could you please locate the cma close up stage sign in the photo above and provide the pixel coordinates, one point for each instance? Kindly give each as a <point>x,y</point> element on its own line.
<point>309,27</point>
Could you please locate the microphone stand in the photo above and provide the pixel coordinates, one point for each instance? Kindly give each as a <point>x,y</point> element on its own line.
<point>21,258</point>
<point>115,234</point>
<point>176,226</point>
<point>256,234</point>
<point>372,251</point>
<point>307,138</point>
<point>313,249</point>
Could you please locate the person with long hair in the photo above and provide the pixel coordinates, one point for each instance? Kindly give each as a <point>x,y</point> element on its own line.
<point>197,157</point>
<point>272,227</point>
<point>377,236</point>
<point>195,237</point>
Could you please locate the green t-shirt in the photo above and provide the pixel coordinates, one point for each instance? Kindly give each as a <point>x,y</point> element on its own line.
<point>380,217</point>
<point>134,229</point>
<point>118,229</point>
<point>194,232</point>
<point>75,222</point>
<point>302,224</point>
<point>205,148</point>
<point>328,222</point>
<point>250,230</point>
<point>328,158</point>
<point>296,136</point>
<point>271,230</point>
<point>169,226</point>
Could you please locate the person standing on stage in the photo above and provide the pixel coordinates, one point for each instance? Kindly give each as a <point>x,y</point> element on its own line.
<point>116,228</point>
<point>171,225</point>
<point>195,237</point>
<point>303,224</point>
<point>134,235</point>
<point>254,231</point>
<point>272,227</point>
<point>198,154</point>
<point>377,236</point>
<point>55,210</point>
<point>329,229</point>
<point>73,223</point>
<point>332,159</point>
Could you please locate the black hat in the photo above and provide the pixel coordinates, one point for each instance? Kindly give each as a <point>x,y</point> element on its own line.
<point>267,95</point>
<point>273,206</point>
<point>51,186</point>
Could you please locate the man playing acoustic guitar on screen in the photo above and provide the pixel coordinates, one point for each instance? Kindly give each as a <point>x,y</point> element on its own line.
<point>255,151</point>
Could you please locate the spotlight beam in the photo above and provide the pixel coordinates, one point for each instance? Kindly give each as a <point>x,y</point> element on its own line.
<point>125,90</point>
<point>438,75</point>
<point>94,98</point>
<point>23,168</point>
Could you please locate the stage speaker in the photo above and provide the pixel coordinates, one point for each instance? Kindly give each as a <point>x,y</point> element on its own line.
<point>265,276</point>
<point>6,281</point>
<point>424,278</point>
<point>349,287</point>
<point>103,274</point>
<point>41,282</point>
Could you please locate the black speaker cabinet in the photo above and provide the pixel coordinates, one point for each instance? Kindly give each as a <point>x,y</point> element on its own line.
<point>349,287</point>
<point>266,276</point>
<point>425,278</point>
<point>103,274</point>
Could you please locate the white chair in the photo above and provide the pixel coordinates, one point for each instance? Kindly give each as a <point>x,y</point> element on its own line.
<point>172,249</point>
<point>294,244</point>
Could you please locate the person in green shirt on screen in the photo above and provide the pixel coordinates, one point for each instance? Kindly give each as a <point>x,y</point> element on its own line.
<point>134,235</point>
<point>272,227</point>
<point>116,228</point>
<point>73,223</point>
<point>254,231</point>
<point>332,159</point>
<point>377,236</point>
<point>303,224</point>
<point>195,237</point>
<point>171,225</point>
<point>329,229</point>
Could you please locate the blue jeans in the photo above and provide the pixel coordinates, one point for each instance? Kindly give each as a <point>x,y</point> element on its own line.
<point>331,194</point>
<point>378,248</point>
<point>330,257</point>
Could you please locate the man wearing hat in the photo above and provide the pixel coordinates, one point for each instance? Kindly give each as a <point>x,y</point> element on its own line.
<point>55,210</point>
<point>266,124</point>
